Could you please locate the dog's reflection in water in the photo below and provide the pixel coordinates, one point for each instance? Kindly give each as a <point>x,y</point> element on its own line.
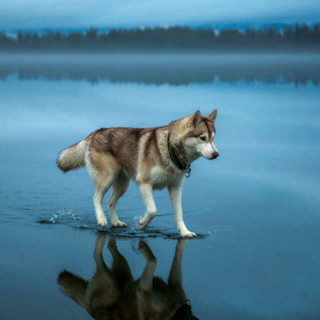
<point>113,293</point>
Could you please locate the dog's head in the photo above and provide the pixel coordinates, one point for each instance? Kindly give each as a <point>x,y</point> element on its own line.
<point>196,133</point>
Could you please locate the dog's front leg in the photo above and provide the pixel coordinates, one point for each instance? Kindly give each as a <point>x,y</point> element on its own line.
<point>175,277</point>
<point>147,196</point>
<point>175,192</point>
<point>146,280</point>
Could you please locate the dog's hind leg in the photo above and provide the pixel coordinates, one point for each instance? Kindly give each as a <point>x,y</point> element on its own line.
<point>120,266</point>
<point>120,186</point>
<point>146,192</point>
<point>102,269</point>
<point>102,289</point>
<point>103,169</point>
<point>101,189</point>
<point>97,255</point>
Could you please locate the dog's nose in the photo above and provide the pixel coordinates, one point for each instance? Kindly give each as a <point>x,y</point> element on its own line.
<point>215,155</point>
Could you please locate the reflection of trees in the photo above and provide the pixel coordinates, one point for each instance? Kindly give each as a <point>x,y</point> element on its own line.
<point>171,69</point>
<point>175,38</point>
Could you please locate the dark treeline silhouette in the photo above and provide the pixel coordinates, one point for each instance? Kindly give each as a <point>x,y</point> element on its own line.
<point>300,37</point>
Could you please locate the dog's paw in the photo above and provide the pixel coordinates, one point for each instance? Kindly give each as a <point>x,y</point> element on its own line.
<point>102,222</point>
<point>187,234</point>
<point>143,224</point>
<point>146,251</point>
<point>112,244</point>
<point>101,239</point>
<point>118,224</point>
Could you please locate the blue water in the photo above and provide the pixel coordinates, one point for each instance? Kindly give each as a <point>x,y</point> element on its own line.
<point>256,208</point>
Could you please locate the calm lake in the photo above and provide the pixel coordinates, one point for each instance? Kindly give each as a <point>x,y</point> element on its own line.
<point>256,208</point>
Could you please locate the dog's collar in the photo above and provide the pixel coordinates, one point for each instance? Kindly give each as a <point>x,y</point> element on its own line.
<point>179,163</point>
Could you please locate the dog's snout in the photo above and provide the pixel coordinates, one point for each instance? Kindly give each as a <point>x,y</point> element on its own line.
<point>215,155</point>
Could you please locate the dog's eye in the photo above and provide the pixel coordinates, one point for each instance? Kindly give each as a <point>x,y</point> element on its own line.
<point>203,138</point>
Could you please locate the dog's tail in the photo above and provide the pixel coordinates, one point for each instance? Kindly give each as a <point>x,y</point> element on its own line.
<point>72,158</point>
<point>73,286</point>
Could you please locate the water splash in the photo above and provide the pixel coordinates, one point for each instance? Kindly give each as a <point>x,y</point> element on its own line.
<point>135,245</point>
<point>54,218</point>
<point>134,227</point>
<point>64,216</point>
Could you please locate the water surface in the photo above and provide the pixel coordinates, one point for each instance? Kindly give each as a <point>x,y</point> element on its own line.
<point>256,207</point>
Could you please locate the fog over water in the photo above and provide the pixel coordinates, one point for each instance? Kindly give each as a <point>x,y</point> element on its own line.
<point>256,207</point>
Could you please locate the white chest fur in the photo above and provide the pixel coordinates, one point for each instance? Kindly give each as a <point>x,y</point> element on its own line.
<point>161,177</point>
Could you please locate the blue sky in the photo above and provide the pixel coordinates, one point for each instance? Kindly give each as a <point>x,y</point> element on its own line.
<point>15,14</point>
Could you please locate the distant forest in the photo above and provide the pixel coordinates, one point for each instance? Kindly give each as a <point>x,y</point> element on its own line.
<point>300,37</point>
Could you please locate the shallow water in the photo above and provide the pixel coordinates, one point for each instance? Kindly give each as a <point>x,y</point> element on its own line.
<point>255,208</point>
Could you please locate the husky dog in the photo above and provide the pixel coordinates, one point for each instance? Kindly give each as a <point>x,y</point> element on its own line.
<point>154,158</point>
<point>112,293</point>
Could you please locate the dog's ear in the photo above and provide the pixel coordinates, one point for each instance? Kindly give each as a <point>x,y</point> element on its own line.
<point>213,116</point>
<point>196,118</point>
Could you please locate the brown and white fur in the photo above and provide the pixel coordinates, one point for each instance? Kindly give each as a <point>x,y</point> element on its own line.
<point>114,156</point>
<point>112,293</point>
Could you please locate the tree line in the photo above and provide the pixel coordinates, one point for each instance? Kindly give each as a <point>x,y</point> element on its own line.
<point>301,37</point>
